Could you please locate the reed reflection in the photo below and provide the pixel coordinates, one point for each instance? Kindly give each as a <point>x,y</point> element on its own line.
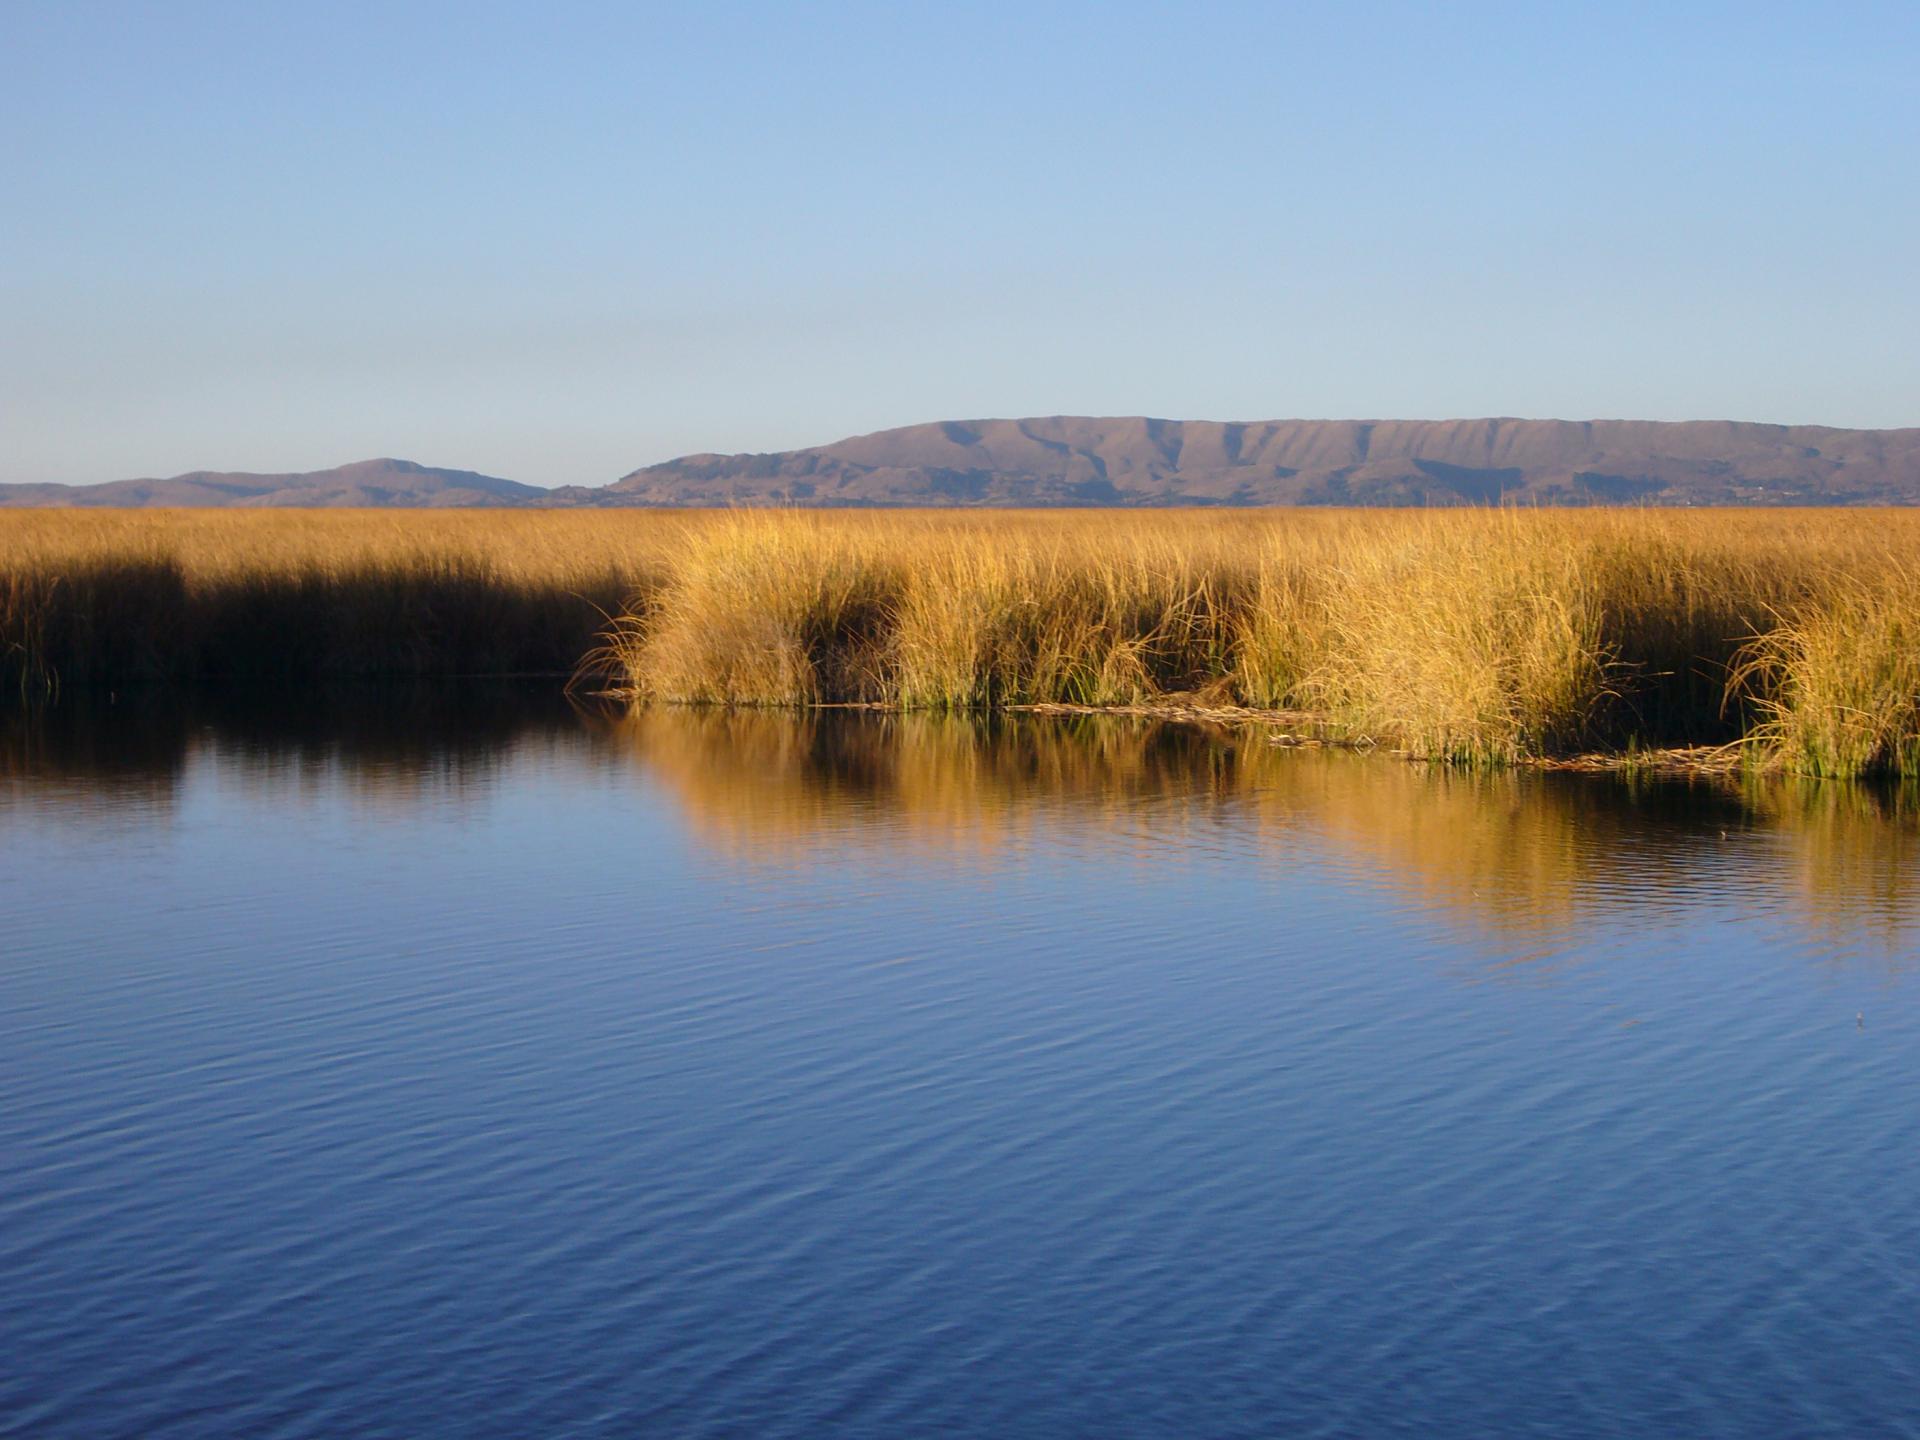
<point>1534,856</point>
<point>97,756</point>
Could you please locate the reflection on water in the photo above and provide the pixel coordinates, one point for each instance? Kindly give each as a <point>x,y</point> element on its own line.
<point>385,742</point>
<point>1531,854</point>
<point>456,1061</point>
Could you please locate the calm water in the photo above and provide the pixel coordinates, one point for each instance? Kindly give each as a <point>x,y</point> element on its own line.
<point>453,1064</point>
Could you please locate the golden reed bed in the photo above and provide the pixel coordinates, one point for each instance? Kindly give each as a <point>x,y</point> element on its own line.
<point>1475,636</point>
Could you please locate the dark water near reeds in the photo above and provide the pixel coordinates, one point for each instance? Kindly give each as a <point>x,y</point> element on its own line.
<point>453,1064</point>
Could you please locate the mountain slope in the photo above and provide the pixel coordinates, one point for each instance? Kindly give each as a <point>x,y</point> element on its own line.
<point>371,483</point>
<point>1071,460</point>
<point>1136,461</point>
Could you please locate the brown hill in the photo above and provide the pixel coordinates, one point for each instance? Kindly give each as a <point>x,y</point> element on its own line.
<point>1069,460</point>
<point>374,483</point>
<point>1131,460</point>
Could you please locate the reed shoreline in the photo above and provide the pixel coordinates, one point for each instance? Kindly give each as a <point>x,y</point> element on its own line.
<point>1621,639</point>
<point>1297,729</point>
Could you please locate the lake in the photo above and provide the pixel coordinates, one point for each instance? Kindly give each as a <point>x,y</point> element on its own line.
<point>459,1062</point>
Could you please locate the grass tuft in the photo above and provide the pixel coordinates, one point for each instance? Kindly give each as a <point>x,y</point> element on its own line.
<point>1473,637</point>
<point>1836,685</point>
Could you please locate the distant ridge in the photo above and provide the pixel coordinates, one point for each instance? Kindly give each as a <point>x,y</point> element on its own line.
<point>1136,461</point>
<point>1132,460</point>
<point>374,483</point>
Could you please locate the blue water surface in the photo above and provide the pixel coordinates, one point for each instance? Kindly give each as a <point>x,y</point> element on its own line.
<point>469,1066</point>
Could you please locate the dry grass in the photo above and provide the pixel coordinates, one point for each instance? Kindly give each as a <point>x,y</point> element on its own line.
<point>1483,637</point>
<point>89,596</point>
<point>1835,685</point>
<point>1477,637</point>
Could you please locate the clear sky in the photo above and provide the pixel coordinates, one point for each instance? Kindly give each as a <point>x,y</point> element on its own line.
<point>557,241</point>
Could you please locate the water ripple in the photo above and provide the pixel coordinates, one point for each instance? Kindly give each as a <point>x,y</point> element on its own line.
<point>681,1077</point>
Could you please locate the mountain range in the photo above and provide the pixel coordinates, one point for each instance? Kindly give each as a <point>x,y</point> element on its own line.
<point>1137,461</point>
<point>374,484</point>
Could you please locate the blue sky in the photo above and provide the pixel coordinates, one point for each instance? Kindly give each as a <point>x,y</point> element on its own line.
<point>556,242</point>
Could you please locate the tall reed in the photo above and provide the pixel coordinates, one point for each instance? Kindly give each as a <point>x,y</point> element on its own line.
<point>1482,637</point>
<point>1836,683</point>
<point>763,610</point>
<point>1476,646</point>
<point>109,597</point>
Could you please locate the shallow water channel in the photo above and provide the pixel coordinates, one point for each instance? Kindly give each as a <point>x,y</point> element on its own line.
<point>457,1062</point>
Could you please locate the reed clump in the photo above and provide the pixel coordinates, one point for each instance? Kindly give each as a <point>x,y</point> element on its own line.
<point>762,610</point>
<point>112,617</point>
<point>1477,637</point>
<point>1474,645</point>
<point>92,597</point>
<point>1483,638</point>
<point>1836,682</point>
<point>1045,621</point>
